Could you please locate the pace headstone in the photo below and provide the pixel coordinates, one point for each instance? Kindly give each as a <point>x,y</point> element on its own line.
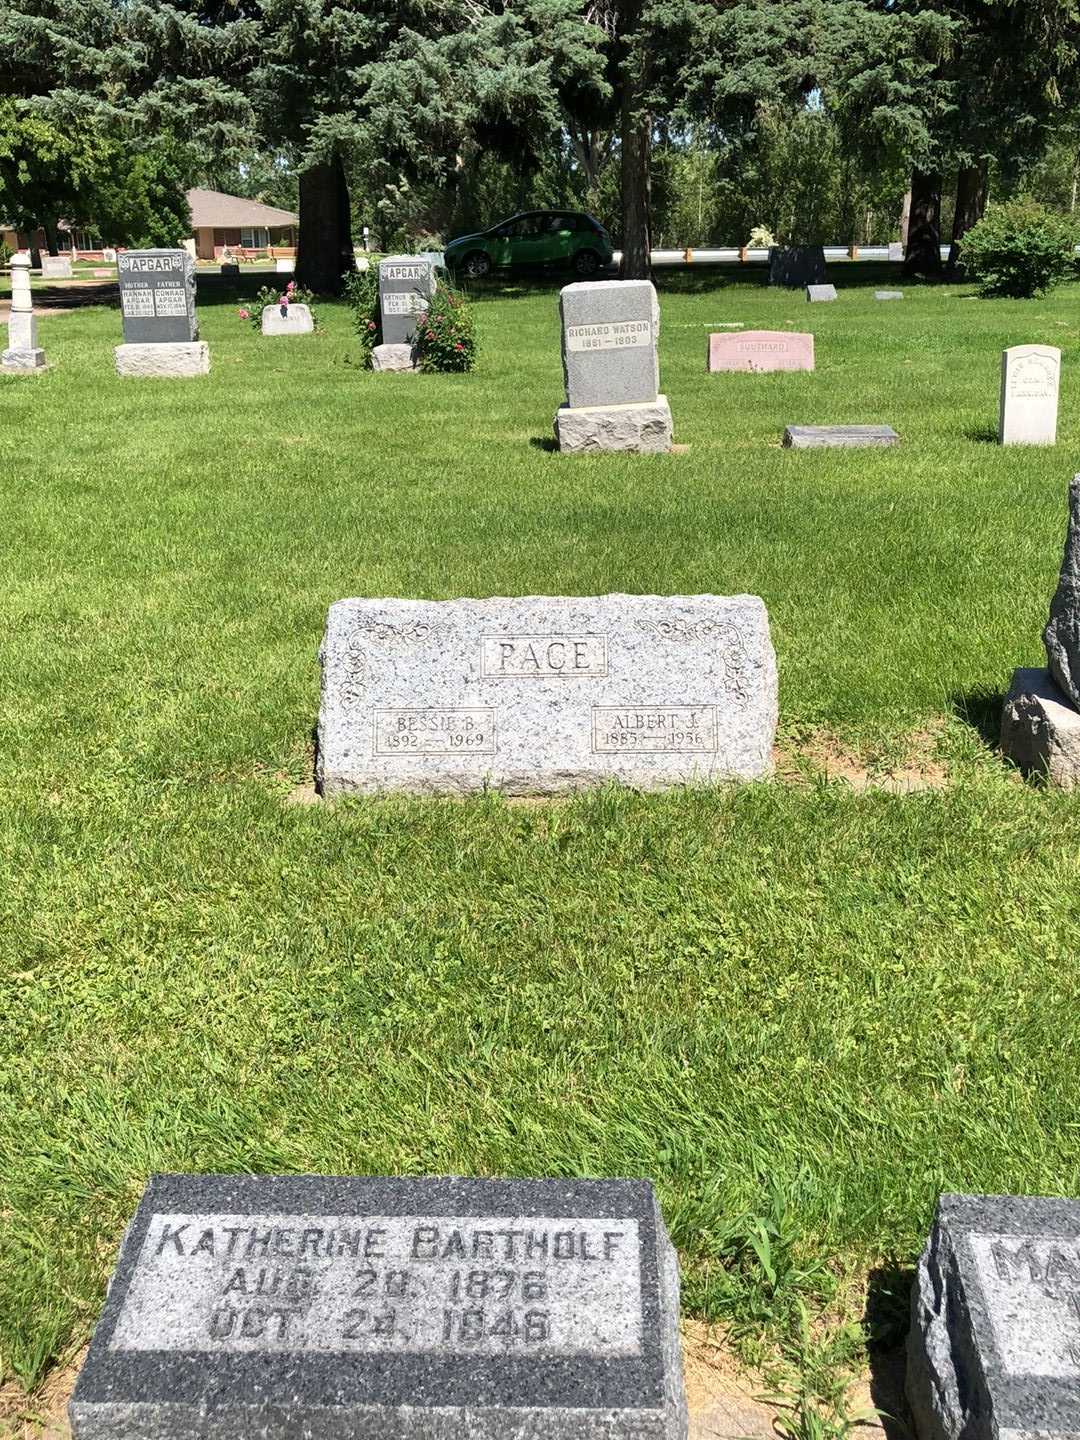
<point>816,294</point>
<point>328,1307</point>
<point>610,330</point>
<point>544,695</point>
<point>23,352</point>
<point>157,302</point>
<point>761,350</point>
<point>1029,395</point>
<point>406,288</point>
<point>994,1345</point>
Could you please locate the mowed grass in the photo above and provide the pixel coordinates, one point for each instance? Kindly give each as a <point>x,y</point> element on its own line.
<point>789,1004</point>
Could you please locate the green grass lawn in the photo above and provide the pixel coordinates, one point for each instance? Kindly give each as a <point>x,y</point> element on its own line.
<point>789,1003</point>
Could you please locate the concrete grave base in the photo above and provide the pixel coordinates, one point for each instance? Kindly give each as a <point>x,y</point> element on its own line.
<point>812,437</point>
<point>166,361</point>
<point>644,428</point>
<point>297,320</point>
<point>393,357</point>
<point>1040,730</point>
<point>21,361</point>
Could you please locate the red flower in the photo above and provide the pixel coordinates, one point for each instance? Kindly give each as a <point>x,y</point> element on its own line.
<point>431,334</point>
<point>458,345</point>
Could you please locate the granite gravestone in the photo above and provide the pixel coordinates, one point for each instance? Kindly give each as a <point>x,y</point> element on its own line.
<point>795,266</point>
<point>994,1346</point>
<point>56,267</point>
<point>444,1309</point>
<point>761,350</point>
<point>1029,395</point>
<point>406,287</point>
<point>1040,721</point>
<point>23,352</point>
<point>817,294</point>
<point>815,437</point>
<point>545,695</point>
<point>291,319</point>
<point>888,294</point>
<point>157,301</point>
<point>610,330</point>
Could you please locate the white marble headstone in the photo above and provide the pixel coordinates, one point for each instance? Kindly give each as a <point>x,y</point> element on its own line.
<point>1029,395</point>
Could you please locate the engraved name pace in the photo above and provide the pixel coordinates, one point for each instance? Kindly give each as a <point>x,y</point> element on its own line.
<point>523,656</point>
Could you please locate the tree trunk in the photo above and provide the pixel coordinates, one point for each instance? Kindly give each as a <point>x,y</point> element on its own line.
<point>635,139</point>
<point>924,227</point>
<point>972,185</point>
<point>52,236</point>
<point>325,252</point>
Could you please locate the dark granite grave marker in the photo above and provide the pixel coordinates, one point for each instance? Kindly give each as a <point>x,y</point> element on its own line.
<point>328,1308</point>
<point>157,297</point>
<point>994,1347</point>
<point>406,285</point>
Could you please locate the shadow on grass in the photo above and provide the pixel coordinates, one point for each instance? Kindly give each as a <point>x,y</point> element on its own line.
<point>543,442</point>
<point>981,709</point>
<point>982,434</point>
<point>887,1319</point>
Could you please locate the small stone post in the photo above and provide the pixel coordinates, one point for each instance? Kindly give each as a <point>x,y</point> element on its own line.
<point>22,352</point>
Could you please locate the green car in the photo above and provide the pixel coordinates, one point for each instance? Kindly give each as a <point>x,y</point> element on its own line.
<point>536,237</point>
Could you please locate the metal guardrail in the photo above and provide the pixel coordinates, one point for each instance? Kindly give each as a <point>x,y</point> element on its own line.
<point>736,255</point>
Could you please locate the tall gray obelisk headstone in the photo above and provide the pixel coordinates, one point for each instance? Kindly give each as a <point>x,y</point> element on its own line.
<point>22,352</point>
<point>610,330</point>
<point>157,301</point>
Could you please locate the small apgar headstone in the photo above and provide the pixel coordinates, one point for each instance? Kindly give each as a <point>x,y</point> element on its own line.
<point>761,351</point>
<point>289,1306</point>
<point>544,694</point>
<point>23,354</point>
<point>1029,395</point>
<point>157,302</point>
<point>288,319</point>
<point>610,330</point>
<point>406,288</point>
<point>817,294</point>
<point>994,1345</point>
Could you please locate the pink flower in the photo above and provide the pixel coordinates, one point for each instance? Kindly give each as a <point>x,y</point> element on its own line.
<point>283,299</point>
<point>291,285</point>
<point>431,334</point>
<point>458,345</point>
<point>244,314</point>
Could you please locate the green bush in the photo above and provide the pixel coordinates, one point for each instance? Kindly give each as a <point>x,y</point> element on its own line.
<point>6,253</point>
<point>445,332</point>
<point>1019,249</point>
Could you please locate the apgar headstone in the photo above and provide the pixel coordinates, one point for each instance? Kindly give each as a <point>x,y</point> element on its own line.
<point>994,1345</point>
<point>761,350</point>
<point>1029,395</point>
<point>610,330</point>
<point>157,297</point>
<point>406,285</point>
<point>542,695</point>
<point>441,1309</point>
<point>290,319</point>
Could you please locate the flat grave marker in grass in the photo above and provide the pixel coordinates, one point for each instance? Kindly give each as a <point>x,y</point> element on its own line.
<point>888,294</point>
<point>813,437</point>
<point>994,1347</point>
<point>335,1306</point>
<point>545,694</point>
<point>610,330</point>
<point>818,294</point>
<point>1029,395</point>
<point>157,303</point>
<point>761,351</point>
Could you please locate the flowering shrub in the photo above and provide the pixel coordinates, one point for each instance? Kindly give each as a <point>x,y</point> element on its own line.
<point>761,238</point>
<point>445,332</point>
<point>272,295</point>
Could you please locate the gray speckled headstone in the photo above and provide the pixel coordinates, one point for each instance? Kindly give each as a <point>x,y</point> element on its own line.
<point>545,694</point>
<point>811,437</point>
<point>994,1346</point>
<point>334,1308</point>
<point>56,267</point>
<point>818,293</point>
<point>157,297</point>
<point>406,285</point>
<point>610,330</point>
<point>1062,633</point>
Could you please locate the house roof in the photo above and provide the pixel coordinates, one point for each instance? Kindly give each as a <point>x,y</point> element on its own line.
<point>211,208</point>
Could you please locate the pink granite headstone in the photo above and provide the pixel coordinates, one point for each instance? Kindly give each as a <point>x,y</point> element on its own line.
<point>761,350</point>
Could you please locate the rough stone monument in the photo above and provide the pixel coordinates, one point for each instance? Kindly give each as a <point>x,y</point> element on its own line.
<point>327,1307</point>
<point>994,1345</point>
<point>291,319</point>
<point>818,294</point>
<point>56,267</point>
<point>1040,722</point>
<point>815,437</point>
<point>610,330</point>
<point>406,287</point>
<point>543,695</point>
<point>761,351</point>
<point>23,352</point>
<point>796,266</point>
<point>157,302</point>
<point>1029,395</point>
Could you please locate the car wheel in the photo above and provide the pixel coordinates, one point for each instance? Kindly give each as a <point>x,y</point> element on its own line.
<point>476,265</point>
<point>586,262</point>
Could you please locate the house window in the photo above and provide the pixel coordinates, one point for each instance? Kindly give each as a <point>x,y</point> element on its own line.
<point>85,240</point>
<point>254,237</point>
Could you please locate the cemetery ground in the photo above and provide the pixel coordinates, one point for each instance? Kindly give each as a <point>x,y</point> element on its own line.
<point>804,1007</point>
